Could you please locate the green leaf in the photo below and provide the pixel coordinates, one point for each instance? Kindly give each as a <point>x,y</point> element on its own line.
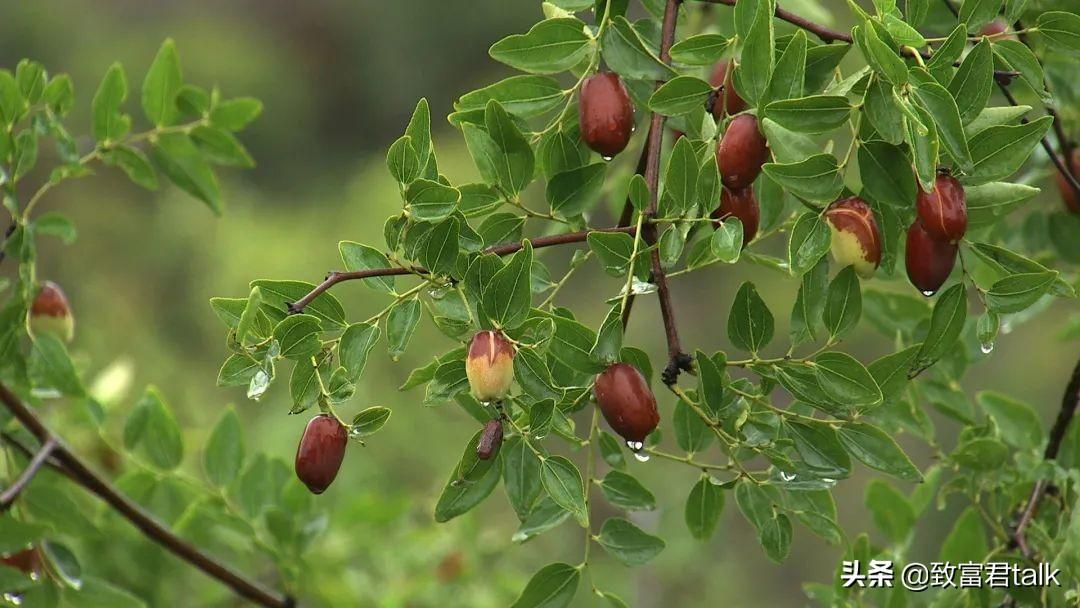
<point>988,203</point>
<point>874,448</point>
<point>562,481</point>
<point>886,173</point>
<point>680,179</point>
<point>571,192</point>
<point>976,13</point>
<point>710,384</point>
<point>703,508</point>
<point>402,160</point>
<point>55,224</point>
<point>998,152</point>
<point>941,106</point>
<point>680,95</point>
<point>891,371</point>
<point>471,482</point>
<point>507,299</point>
<point>946,323</point>
<point>846,380</point>
<point>152,428</point>
<point>523,96</point>
<point>514,170</point>
<point>182,162</point>
<point>401,323</point>
<point>235,114</point>
<point>98,593</point>
<point>815,114</point>
<point>627,54</point>
<point>441,251</point>
<point>419,132</point>
<point>775,537</point>
<point>431,201</point>
<point>702,49</point>
<point>881,108</point>
<point>628,543</point>
<point>883,59</point>
<point>966,542</point>
<point>357,256</point>
<point>221,147</point>
<point>750,324</point>
<point>809,303</point>
<point>610,337</point>
<point>726,242</point>
<point>890,509</point>
<point>553,45</point>
<point>691,434</point>
<point>626,492</point>
<point>51,360</point>
<point>788,77</point>
<point>109,123</point>
<point>369,421</point>
<point>298,336</point>
<point>521,476</point>
<point>162,83</point>
<point>1019,291</point>
<point>553,586</point>
<point>223,456</point>
<point>809,242</point>
<point>134,163</point>
<point>972,83</point>
<point>816,179</point>
<point>752,76</point>
<point>843,304</point>
<point>1060,29</point>
<point>1017,421</point>
<point>820,449</point>
<point>613,249</point>
<point>277,295</point>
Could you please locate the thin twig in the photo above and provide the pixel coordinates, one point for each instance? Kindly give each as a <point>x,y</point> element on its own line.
<point>677,360</point>
<point>11,494</point>
<point>545,241</point>
<point>627,216</point>
<point>135,514</point>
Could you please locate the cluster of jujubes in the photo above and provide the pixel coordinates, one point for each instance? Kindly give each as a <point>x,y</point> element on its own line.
<point>51,313</point>
<point>622,393</point>
<point>739,156</point>
<point>321,450</point>
<point>1068,194</point>
<point>726,100</point>
<point>940,223</point>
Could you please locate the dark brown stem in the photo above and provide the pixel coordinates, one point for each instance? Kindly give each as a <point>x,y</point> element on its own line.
<point>11,494</point>
<point>677,360</point>
<point>1069,403</point>
<point>336,277</point>
<point>135,514</point>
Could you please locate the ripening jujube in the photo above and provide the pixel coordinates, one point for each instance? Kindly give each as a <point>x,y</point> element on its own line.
<point>943,210</point>
<point>51,313</point>
<point>321,450</point>
<point>1068,194</point>
<point>856,240</point>
<point>27,561</point>
<point>728,99</point>
<point>743,205</point>
<point>605,114</point>
<point>626,401</point>
<point>741,152</point>
<point>929,261</point>
<point>490,440</point>
<point>490,365</point>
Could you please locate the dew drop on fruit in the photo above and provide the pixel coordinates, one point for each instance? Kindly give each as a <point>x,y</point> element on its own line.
<point>928,292</point>
<point>986,347</point>
<point>635,446</point>
<point>607,158</point>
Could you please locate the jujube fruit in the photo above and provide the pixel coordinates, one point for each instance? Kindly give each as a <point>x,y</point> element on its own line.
<point>855,237</point>
<point>1068,194</point>
<point>51,313</point>
<point>741,152</point>
<point>995,27</point>
<point>321,450</point>
<point>605,113</point>
<point>743,205</point>
<point>490,440</point>
<point>627,403</point>
<point>27,561</point>
<point>943,210</point>
<point>490,365</point>
<point>929,261</point>
<point>728,99</point>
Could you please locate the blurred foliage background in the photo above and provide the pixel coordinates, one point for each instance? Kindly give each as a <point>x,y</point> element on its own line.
<point>339,80</point>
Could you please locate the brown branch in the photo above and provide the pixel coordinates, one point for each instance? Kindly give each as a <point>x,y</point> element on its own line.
<point>135,514</point>
<point>336,277</point>
<point>8,497</point>
<point>677,360</point>
<point>1069,403</point>
<point>826,34</point>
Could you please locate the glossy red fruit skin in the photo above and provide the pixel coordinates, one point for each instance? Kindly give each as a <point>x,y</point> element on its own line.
<point>27,561</point>
<point>1068,195</point>
<point>605,114</point>
<point>490,440</point>
<point>321,450</point>
<point>743,205</point>
<point>490,365</point>
<point>741,152</point>
<point>856,240</point>
<point>626,402</point>
<point>729,99</point>
<point>929,261</point>
<point>50,312</point>
<point>943,211</point>
<point>997,26</point>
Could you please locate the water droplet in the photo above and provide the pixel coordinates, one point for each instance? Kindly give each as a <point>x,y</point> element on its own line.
<point>787,476</point>
<point>987,347</point>
<point>607,158</point>
<point>635,446</point>
<point>641,457</point>
<point>928,292</point>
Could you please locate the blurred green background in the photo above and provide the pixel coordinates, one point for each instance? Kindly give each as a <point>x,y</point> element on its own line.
<point>339,80</point>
